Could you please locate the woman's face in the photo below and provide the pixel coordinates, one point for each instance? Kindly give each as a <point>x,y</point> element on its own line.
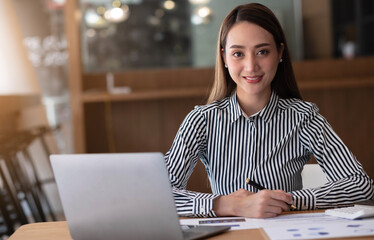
<point>252,58</point>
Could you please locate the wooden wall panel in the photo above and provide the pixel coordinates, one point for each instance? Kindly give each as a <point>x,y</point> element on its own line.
<point>333,69</point>
<point>96,135</point>
<point>154,79</point>
<point>135,126</point>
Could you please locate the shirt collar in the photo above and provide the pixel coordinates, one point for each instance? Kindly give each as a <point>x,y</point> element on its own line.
<point>235,109</point>
<point>270,109</point>
<point>266,113</point>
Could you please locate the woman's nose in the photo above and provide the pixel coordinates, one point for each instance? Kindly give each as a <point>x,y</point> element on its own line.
<point>251,64</point>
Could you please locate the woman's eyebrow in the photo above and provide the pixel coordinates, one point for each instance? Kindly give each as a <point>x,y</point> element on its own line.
<point>256,46</point>
<point>262,45</point>
<point>237,46</point>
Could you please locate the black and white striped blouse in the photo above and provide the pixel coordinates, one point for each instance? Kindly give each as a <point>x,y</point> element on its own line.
<point>270,147</point>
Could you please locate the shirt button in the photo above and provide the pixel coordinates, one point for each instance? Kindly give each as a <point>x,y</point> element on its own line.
<point>202,209</point>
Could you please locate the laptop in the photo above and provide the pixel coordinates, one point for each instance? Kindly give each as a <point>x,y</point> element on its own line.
<point>120,196</point>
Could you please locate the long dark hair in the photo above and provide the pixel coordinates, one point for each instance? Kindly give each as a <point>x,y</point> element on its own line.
<point>284,83</point>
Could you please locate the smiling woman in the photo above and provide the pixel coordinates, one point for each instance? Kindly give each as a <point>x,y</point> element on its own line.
<point>256,126</point>
<point>251,57</point>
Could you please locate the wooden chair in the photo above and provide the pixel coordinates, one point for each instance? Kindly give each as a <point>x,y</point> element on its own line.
<point>11,212</point>
<point>22,171</point>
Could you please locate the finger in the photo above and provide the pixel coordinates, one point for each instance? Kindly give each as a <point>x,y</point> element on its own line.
<point>274,210</point>
<point>279,204</point>
<point>270,215</point>
<point>266,199</point>
<point>241,193</point>
<point>263,215</point>
<point>275,194</point>
<point>268,212</point>
<point>281,196</point>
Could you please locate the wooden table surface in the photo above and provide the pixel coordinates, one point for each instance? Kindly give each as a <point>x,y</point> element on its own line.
<point>59,231</point>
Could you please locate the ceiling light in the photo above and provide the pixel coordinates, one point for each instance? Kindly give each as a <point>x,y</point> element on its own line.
<point>169,5</point>
<point>202,15</point>
<point>100,10</point>
<point>204,12</point>
<point>94,20</point>
<point>117,14</point>
<point>116,3</point>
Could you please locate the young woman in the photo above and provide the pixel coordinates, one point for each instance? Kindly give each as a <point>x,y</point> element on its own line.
<point>256,126</point>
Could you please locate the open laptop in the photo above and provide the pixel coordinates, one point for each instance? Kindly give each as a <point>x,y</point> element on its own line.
<point>120,196</point>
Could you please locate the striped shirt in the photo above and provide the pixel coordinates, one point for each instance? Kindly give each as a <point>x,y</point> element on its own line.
<point>270,147</point>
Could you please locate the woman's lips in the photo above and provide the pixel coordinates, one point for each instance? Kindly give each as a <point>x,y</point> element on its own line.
<point>253,79</point>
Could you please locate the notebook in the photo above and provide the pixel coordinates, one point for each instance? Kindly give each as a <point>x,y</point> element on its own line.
<point>120,196</point>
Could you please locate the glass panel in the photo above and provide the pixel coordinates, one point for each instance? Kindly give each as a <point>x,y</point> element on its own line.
<point>344,11</point>
<point>137,34</point>
<point>368,39</point>
<point>367,8</point>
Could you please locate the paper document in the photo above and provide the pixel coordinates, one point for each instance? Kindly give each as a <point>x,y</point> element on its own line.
<point>295,226</point>
<point>339,228</point>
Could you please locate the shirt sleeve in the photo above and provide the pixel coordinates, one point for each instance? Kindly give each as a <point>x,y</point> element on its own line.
<point>347,181</point>
<point>181,160</point>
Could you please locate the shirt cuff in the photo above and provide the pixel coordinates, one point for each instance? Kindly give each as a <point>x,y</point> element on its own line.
<point>304,199</point>
<point>203,205</point>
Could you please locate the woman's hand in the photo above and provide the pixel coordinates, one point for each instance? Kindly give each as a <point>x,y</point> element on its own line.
<point>264,204</point>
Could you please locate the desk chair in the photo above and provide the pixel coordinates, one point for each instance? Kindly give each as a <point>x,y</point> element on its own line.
<point>9,149</point>
<point>11,212</point>
<point>28,169</point>
<point>313,176</point>
<point>14,149</point>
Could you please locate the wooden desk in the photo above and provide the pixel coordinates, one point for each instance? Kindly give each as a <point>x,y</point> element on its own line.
<point>60,231</point>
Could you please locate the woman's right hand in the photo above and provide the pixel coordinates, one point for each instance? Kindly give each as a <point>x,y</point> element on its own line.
<point>264,204</point>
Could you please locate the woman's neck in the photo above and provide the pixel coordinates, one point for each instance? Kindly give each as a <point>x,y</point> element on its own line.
<point>252,104</point>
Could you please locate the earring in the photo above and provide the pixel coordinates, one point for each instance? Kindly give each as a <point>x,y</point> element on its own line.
<point>281,60</point>
<point>225,66</point>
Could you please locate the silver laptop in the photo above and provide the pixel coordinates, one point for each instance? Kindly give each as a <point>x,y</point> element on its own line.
<point>120,196</point>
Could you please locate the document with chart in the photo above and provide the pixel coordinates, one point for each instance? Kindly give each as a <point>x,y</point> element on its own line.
<point>295,226</point>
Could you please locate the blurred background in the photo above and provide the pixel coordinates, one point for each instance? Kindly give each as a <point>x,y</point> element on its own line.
<point>121,75</point>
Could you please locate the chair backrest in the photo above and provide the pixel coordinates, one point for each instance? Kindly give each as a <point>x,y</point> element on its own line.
<point>313,176</point>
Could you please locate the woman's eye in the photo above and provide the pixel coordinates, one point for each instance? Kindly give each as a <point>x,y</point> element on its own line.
<point>237,54</point>
<point>263,52</point>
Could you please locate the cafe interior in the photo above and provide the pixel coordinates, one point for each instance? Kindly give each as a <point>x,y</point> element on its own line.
<point>113,76</point>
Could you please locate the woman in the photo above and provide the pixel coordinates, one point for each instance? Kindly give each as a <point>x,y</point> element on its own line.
<point>256,126</point>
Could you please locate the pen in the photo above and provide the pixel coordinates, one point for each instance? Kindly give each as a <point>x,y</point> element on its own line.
<point>259,187</point>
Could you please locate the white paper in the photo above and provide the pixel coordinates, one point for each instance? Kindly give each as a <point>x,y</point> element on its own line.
<point>299,218</point>
<point>319,230</point>
<point>295,226</point>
